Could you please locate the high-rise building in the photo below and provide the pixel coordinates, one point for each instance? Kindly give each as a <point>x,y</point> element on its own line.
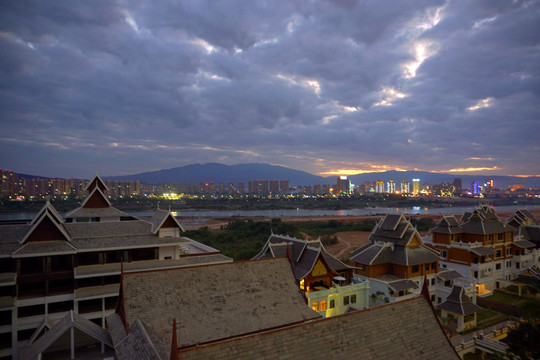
<point>343,185</point>
<point>379,187</point>
<point>405,189</point>
<point>391,187</point>
<point>475,188</point>
<point>284,186</point>
<point>274,186</point>
<point>416,186</point>
<point>457,185</point>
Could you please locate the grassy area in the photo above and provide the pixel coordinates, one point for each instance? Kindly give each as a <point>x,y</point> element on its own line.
<point>487,317</point>
<point>505,298</point>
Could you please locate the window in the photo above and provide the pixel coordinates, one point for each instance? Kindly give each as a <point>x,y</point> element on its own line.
<point>517,265</point>
<point>426,267</point>
<point>508,251</point>
<point>323,305</point>
<point>315,306</point>
<point>415,268</point>
<point>497,266</point>
<point>332,304</point>
<point>432,281</point>
<point>345,300</point>
<point>444,254</point>
<point>508,264</point>
<point>499,253</point>
<point>432,298</point>
<point>476,274</point>
<point>353,299</point>
<point>433,266</point>
<point>500,237</point>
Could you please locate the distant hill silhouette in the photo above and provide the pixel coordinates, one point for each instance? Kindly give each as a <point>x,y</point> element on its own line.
<point>197,173</point>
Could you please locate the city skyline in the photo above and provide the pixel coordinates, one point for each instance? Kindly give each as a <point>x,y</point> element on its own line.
<point>330,88</point>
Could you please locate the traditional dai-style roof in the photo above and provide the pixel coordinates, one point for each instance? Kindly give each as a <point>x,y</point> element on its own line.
<point>394,240</point>
<point>304,254</point>
<point>448,225</point>
<point>459,303</point>
<point>215,302</point>
<point>406,329</point>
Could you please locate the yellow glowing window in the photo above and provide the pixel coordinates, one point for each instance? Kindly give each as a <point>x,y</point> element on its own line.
<point>315,306</point>
<point>323,305</point>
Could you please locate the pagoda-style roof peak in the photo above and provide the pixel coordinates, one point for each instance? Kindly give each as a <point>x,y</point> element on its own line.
<point>48,208</point>
<point>164,218</point>
<point>459,303</point>
<point>96,182</point>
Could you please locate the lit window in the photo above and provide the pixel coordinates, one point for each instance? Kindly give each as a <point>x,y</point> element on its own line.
<point>323,305</point>
<point>315,306</point>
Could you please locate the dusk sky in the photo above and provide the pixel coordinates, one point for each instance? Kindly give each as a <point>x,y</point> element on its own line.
<point>328,87</point>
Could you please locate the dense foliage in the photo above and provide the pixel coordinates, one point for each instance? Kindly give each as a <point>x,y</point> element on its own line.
<point>243,239</point>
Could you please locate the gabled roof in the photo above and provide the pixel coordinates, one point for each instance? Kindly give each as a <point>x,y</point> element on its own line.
<point>304,254</point>
<point>522,217</point>
<point>70,320</point>
<point>458,302</point>
<point>447,225</point>
<point>96,182</point>
<point>47,225</point>
<point>160,217</point>
<point>483,220</point>
<point>215,302</point>
<point>385,253</point>
<point>51,210</point>
<point>404,329</point>
<point>95,204</point>
<point>396,229</point>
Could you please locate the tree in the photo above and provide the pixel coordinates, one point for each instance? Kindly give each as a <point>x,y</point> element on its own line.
<point>525,341</point>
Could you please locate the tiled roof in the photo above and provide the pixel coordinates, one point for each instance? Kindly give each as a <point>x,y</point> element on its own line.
<point>143,265</point>
<point>56,247</point>
<point>483,251</point>
<point>483,220</point>
<point>81,212</point>
<point>378,253</point>
<point>524,244</point>
<point>124,242</point>
<point>459,303</point>
<point>448,274</point>
<point>447,225</point>
<point>406,329</point>
<point>216,301</point>
<point>108,228</point>
<point>142,343</point>
<point>303,254</point>
<point>402,285</point>
<point>395,229</point>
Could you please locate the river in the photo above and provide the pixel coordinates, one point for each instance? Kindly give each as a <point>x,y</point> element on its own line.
<point>414,210</point>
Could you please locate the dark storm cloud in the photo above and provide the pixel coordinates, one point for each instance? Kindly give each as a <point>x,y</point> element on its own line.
<point>125,87</point>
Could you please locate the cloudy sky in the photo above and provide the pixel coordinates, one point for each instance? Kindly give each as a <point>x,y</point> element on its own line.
<point>328,87</point>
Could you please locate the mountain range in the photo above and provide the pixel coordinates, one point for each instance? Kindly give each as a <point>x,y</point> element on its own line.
<point>197,173</point>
